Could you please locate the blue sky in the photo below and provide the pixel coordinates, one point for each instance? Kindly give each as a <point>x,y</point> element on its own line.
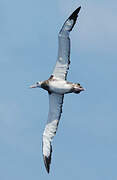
<point>85,146</point>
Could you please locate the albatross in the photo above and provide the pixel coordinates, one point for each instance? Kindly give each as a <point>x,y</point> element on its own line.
<point>57,85</point>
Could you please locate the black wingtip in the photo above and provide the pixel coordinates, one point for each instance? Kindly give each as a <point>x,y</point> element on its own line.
<point>74,16</point>
<point>47,161</point>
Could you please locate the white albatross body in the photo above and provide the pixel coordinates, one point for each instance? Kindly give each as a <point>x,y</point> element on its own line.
<point>60,86</point>
<point>57,85</point>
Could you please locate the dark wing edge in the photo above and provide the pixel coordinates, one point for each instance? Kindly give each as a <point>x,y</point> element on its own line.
<point>47,160</point>
<point>74,16</point>
<point>55,110</point>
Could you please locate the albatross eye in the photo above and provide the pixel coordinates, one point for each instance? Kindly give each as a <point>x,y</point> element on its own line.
<point>37,83</point>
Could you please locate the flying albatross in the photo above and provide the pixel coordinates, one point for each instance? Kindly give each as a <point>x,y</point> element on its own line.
<point>57,85</point>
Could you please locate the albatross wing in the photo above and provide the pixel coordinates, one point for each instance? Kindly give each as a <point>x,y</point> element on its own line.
<point>55,110</point>
<point>63,60</point>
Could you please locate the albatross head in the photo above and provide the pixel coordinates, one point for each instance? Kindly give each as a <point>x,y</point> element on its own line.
<point>37,84</point>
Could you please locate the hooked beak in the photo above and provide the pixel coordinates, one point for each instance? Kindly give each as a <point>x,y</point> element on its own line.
<point>33,86</point>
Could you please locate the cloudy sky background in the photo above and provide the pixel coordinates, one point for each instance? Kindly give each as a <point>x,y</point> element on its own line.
<point>85,146</point>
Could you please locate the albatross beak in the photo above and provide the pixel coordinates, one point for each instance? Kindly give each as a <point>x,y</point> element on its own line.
<point>33,86</point>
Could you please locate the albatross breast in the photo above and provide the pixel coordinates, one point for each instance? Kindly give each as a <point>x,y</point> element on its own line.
<point>60,87</point>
